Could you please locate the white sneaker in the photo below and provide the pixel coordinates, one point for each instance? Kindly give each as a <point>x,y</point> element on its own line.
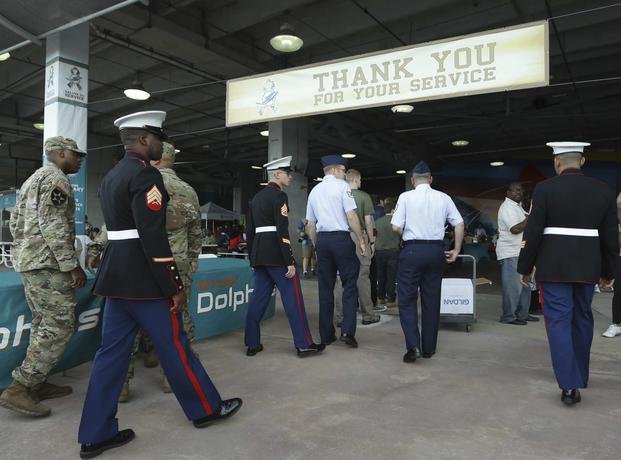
<point>612,331</point>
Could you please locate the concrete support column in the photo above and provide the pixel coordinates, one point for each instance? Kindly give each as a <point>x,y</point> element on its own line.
<point>66,100</point>
<point>290,137</point>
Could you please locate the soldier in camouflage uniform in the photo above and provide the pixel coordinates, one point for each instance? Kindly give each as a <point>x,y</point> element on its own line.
<point>43,228</point>
<point>183,225</point>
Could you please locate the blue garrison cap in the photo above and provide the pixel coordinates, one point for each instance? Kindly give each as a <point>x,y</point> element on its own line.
<point>421,168</point>
<point>328,160</point>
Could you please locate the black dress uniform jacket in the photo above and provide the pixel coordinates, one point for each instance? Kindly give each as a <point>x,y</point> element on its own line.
<point>269,207</point>
<point>133,196</point>
<point>571,200</point>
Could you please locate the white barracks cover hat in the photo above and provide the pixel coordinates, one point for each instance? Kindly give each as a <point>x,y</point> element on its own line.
<point>559,148</point>
<point>151,121</point>
<point>283,163</point>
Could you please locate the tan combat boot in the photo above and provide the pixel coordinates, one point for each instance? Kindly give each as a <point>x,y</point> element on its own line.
<point>17,397</point>
<point>166,386</point>
<point>124,396</point>
<point>151,359</point>
<point>47,390</point>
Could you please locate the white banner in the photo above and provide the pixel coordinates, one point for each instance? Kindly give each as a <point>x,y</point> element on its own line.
<point>498,60</point>
<point>66,81</point>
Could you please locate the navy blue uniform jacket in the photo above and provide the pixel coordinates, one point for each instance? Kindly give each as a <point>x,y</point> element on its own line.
<point>269,207</point>
<point>571,200</point>
<point>133,196</point>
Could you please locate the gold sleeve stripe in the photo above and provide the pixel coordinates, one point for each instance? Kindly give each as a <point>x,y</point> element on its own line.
<point>163,259</point>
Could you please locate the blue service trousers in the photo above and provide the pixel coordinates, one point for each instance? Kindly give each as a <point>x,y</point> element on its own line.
<point>265,278</point>
<point>185,373</point>
<point>569,324</point>
<point>421,266</point>
<point>337,252</point>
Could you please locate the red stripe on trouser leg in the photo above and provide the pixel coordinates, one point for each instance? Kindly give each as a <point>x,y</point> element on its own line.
<point>187,368</point>
<point>545,322</point>
<point>296,285</point>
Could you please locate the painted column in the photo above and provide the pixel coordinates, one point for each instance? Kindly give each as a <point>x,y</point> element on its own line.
<point>66,100</point>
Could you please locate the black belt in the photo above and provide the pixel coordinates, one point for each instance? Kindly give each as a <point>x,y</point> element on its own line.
<point>405,243</point>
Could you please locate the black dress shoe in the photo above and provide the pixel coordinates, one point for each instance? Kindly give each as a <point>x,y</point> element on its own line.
<point>228,408</point>
<point>571,397</point>
<point>531,318</point>
<point>120,439</point>
<point>428,354</point>
<point>313,349</point>
<point>410,356</point>
<point>349,340</point>
<point>254,351</point>
<point>371,321</point>
<point>517,322</point>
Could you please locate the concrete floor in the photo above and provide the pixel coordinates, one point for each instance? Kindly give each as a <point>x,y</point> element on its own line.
<point>487,394</point>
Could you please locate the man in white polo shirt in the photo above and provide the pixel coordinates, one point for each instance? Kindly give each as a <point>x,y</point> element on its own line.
<point>511,223</point>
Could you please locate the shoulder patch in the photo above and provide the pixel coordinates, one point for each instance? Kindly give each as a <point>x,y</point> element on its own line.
<point>153,198</point>
<point>64,186</point>
<point>58,196</point>
<point>350,194</point>
<point>284,211</point>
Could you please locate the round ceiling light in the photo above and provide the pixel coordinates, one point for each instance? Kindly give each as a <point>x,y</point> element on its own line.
<point>400,171</point>
<point>460,143</point>
<point>318,179</point>
<point>39,125</point>
<point>177,150</point>
<point>136,91</point>
<point>402,108</point>
<point>256,167</point>
<point>348,155</point>
<point>4,56</point>
<point>286,41</point>
<point>265,133</point>
<point>497,163</point>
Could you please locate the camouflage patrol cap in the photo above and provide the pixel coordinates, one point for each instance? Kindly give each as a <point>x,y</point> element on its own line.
<point>168,151</point>
<point>62,143</point>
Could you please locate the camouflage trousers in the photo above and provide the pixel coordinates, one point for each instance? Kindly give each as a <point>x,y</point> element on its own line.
<point>51,300</point>
<point>147,345</point>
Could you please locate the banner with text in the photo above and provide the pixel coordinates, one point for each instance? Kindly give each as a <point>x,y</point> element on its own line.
<point>218,303</point>
<point>499,60</point>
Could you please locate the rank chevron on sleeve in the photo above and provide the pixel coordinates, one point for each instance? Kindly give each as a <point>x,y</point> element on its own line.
<point>154,198</point>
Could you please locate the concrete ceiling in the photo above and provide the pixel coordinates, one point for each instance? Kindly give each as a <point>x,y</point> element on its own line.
<point>185,50</point>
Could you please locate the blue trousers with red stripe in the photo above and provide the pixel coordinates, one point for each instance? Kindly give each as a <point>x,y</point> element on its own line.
<point>569,324</point>
<point>185,373</point>
<point>265,278</point>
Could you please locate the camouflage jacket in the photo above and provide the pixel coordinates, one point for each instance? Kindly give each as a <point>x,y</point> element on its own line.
<point>96,246</point>
<point>183,219</point>
<point>43,222</point>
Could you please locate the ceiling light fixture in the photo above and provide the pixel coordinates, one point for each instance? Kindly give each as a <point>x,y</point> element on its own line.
<point>262,183</point>
<point>286,41</point>
<point>136,91</point>
<point>318,179</point>
<point>177,150</point>
<point>38,125</point>
<point>402,108</point>
<point>256,167</point>
<point>348,155</point>
<point>460,143</point>
<point>497,163</point>
<point>4,56</point>
<point>265,133</point>
<point>400,171</point>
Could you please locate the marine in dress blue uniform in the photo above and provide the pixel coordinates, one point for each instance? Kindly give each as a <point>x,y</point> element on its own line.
<point>143,289</point>
<point>273,263</point>
<point>420,217</point>
<point>571,241</point>
<point>331,212</point>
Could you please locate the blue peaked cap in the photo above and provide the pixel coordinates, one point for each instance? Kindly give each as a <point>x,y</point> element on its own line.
<point>328,160</point>
<point>421,168</point>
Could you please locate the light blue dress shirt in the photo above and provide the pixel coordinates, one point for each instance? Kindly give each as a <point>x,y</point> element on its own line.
<point>423,212</point>
<point>328,204</point>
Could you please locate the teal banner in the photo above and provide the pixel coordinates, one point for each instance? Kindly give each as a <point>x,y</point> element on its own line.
<point>218,304</point>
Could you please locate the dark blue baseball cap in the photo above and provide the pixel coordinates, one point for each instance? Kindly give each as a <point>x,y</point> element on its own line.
<point>421,168</point>
<point>328,160</point>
